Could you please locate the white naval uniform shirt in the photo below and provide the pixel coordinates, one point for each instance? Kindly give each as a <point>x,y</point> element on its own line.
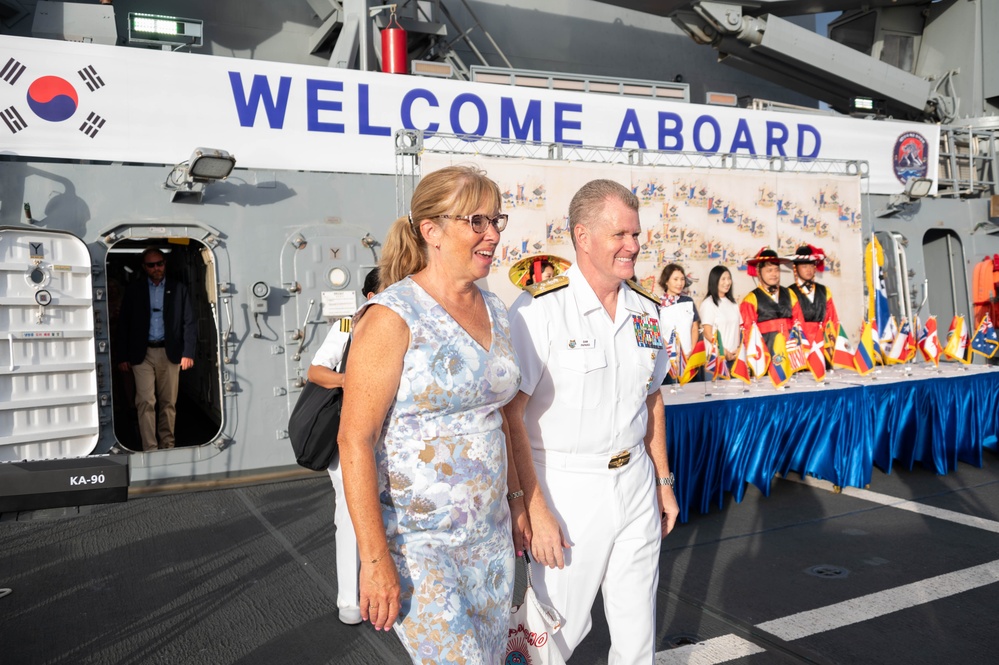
<point>587,376</point>
<point>330,353</point>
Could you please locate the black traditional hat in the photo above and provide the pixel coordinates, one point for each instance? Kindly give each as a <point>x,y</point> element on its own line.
<point>765,255</point>
<point>809,254</point>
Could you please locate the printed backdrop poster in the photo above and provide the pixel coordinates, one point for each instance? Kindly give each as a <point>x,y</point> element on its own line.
<point>698,218</point>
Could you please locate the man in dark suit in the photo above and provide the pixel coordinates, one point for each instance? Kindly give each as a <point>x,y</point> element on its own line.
<point>158,334</point>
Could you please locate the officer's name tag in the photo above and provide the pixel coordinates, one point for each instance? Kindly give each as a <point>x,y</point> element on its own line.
<point>582,343</point>
<point>647,332</point>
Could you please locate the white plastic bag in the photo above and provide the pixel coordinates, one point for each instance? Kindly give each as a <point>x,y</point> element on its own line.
<point>532,625</point>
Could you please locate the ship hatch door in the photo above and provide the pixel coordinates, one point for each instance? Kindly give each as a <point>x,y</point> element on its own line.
<point>48,369</point>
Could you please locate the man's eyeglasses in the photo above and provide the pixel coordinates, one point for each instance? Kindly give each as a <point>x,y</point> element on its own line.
<point>479,222</point>
<point>154,264</point>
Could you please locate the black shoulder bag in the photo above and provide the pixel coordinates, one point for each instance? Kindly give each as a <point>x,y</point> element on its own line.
<point>315,423</point>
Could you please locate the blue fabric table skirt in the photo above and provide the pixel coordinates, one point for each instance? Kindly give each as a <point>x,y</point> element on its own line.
<point>717,445</point>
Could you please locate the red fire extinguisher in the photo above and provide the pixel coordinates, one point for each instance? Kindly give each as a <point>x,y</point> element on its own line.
<point>394,51</point>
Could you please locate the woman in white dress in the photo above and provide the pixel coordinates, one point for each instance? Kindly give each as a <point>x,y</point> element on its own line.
<point>720,312</point>
<point>677,312</point>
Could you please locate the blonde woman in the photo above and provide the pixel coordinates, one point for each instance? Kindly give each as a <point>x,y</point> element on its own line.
<point>422,448</point>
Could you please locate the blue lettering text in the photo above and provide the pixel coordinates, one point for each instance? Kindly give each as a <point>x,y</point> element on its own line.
<point>743,139</point>
<point>671,132</point>
<point>630,130</point>
<point>407,108</point>
<point>480,106</point>
<point>509,121</point>
<point>808,129</point>
<point>260,91</point>
<point>776,138</point>
<point>365,113</point>
<point>562,125</point>
<point>314,105</point>
<point>698,124</point>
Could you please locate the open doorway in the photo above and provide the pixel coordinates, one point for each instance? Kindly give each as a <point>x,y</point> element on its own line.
<point>946,276</point>
<point>199,396</point>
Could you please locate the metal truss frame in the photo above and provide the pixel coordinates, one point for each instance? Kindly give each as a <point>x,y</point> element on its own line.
<point>411,145</point>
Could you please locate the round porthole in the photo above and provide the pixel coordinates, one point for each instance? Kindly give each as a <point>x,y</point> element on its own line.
<point>338,277</point>
<point>37,276</point>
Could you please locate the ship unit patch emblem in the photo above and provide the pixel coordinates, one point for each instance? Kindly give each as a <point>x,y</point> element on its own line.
<point>909,157</point>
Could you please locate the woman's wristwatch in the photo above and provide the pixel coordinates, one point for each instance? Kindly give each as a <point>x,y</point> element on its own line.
<point>668,480</point>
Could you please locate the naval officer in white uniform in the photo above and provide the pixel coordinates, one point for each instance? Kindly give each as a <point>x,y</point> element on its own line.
<point>590,417</point>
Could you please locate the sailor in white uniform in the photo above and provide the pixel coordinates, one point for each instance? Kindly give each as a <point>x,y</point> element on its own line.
<point>324,372</point>
<point>591,419</point>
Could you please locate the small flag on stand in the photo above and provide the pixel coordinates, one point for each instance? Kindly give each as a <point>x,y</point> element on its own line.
<point>842,357</point>
<point>795,349</point>
<point>780,366</point>
<point>863,359</point>
<point>957,340</point>
<point>929,341</point>
<point>757,354</point>
<point>814,358</point>
<point>986,341</point>
<point>900,349</point>
<point>694,362</point>
<point>740,369</point>
<point>672,353</point>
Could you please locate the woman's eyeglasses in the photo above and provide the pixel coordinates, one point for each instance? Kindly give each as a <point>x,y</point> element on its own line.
<point>479,222</point>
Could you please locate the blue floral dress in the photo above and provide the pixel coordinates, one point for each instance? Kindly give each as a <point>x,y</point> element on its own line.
<point>442,482</point>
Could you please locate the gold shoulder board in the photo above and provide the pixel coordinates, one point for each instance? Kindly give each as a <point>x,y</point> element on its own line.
<point>547,286</point>
<point>345,324</point>
<point>640,290</point>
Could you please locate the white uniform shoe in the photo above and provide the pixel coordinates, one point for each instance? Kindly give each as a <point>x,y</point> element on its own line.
<point>350,615</point>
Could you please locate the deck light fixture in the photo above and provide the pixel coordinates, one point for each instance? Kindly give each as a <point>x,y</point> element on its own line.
<point>206,165</point>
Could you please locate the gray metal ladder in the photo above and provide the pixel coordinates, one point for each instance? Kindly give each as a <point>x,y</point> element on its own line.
<point>969,162</point>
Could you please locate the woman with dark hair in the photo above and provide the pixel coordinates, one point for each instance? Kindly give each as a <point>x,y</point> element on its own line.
<point>720,312</point>
<point>677,311</point>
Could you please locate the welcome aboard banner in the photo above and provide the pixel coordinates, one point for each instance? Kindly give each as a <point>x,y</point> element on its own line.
<point>86,101</point>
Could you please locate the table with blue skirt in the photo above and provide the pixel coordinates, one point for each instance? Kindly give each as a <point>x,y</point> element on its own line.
<point>722,435</point>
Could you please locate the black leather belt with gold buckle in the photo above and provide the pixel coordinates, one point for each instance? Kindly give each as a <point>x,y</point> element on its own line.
<point>619,460</point>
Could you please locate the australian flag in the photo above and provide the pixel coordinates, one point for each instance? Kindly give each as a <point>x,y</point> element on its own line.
<point>986,341</point>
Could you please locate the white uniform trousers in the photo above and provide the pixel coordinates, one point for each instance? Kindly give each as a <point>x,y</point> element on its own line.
<point>611,518</point>
<point>348,564</point>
